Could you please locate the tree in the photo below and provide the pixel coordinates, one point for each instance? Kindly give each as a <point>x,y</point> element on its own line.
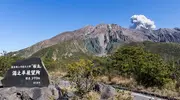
<point>175,69</point>
<point>106,66</point>
<point>50,63</point>
<point>6,61</point>
<point>147,68</point>
<point>83,73</point>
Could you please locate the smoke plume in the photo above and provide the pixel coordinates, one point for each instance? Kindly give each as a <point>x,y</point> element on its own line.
<point>141,21</point>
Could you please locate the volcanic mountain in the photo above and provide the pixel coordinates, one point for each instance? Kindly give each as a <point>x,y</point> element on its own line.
<point>96,40</point>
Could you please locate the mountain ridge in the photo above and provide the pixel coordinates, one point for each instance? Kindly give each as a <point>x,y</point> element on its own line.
<point>102,38</point>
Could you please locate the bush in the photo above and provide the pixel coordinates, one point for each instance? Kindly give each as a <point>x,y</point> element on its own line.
<point>50,64</point>
<point>106,66</point>
<point>82,73</point>
<point>147,68</point>
<point>6,61</point>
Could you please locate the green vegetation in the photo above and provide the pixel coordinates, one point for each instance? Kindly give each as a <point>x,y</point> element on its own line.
<point>83,73</point>
<point>6,61</point>
<point>147,68</point>
<point>65,51</point>
<point>151,65</point>
<point>59,55</point>
<point>50,64</point>
<point>168,51</point>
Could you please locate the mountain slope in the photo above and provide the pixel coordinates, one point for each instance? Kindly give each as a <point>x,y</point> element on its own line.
<point>70,49</point>
<point>101,39</point>
<point>169,51</point>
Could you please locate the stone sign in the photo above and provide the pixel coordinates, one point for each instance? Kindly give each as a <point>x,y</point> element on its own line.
<point>27,73</point>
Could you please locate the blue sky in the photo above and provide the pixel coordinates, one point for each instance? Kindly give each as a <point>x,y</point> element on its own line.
<point>25,22</point>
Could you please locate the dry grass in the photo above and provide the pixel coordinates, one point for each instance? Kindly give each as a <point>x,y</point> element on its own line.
<point>167,90</point>
<point>123,81</point>
<point>58,74</point>
<point>103,79</point>
<point>128,82</point>
<point>123,95</point>
<point>92,95</point>
<point>120,95</point>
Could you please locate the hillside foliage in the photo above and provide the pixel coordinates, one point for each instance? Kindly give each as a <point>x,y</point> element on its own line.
<point>83,73</point>
<point>147,68</point>
<point>6,61</point>
<point>150,64</point>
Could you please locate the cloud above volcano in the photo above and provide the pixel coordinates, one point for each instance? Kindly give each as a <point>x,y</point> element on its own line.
<point>141,21</point>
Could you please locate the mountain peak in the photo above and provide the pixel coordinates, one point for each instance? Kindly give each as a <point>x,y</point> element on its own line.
<point>102,25</point>
<point>87,28</point>
<point>102,38</point>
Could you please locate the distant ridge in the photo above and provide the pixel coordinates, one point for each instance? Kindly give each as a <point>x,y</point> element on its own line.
<point>102,39</point>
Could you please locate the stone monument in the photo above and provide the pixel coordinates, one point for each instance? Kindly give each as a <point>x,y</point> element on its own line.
<point>30,72</point>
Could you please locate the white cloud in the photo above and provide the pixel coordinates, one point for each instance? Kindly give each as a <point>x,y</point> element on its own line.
<point>141,21</point>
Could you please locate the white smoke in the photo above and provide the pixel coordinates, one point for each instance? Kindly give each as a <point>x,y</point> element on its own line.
<point>141,21</point>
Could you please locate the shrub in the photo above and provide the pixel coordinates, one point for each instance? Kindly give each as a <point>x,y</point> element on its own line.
<point>82,73</point>
<point>6,61</point>
<point>147,68</point>
<point>50,64</point>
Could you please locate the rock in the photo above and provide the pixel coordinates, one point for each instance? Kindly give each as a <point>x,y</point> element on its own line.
<point>36,93</point>
<point>106,91</point>
<point>11,97</point>
<point>23,96</point>
<point>64,84</point>
<point>67,87</point>
<point>30,72</point>
<point>70,94</point>
<point>1,85</point>
<point>97,87</point>
<point>56,91</point>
